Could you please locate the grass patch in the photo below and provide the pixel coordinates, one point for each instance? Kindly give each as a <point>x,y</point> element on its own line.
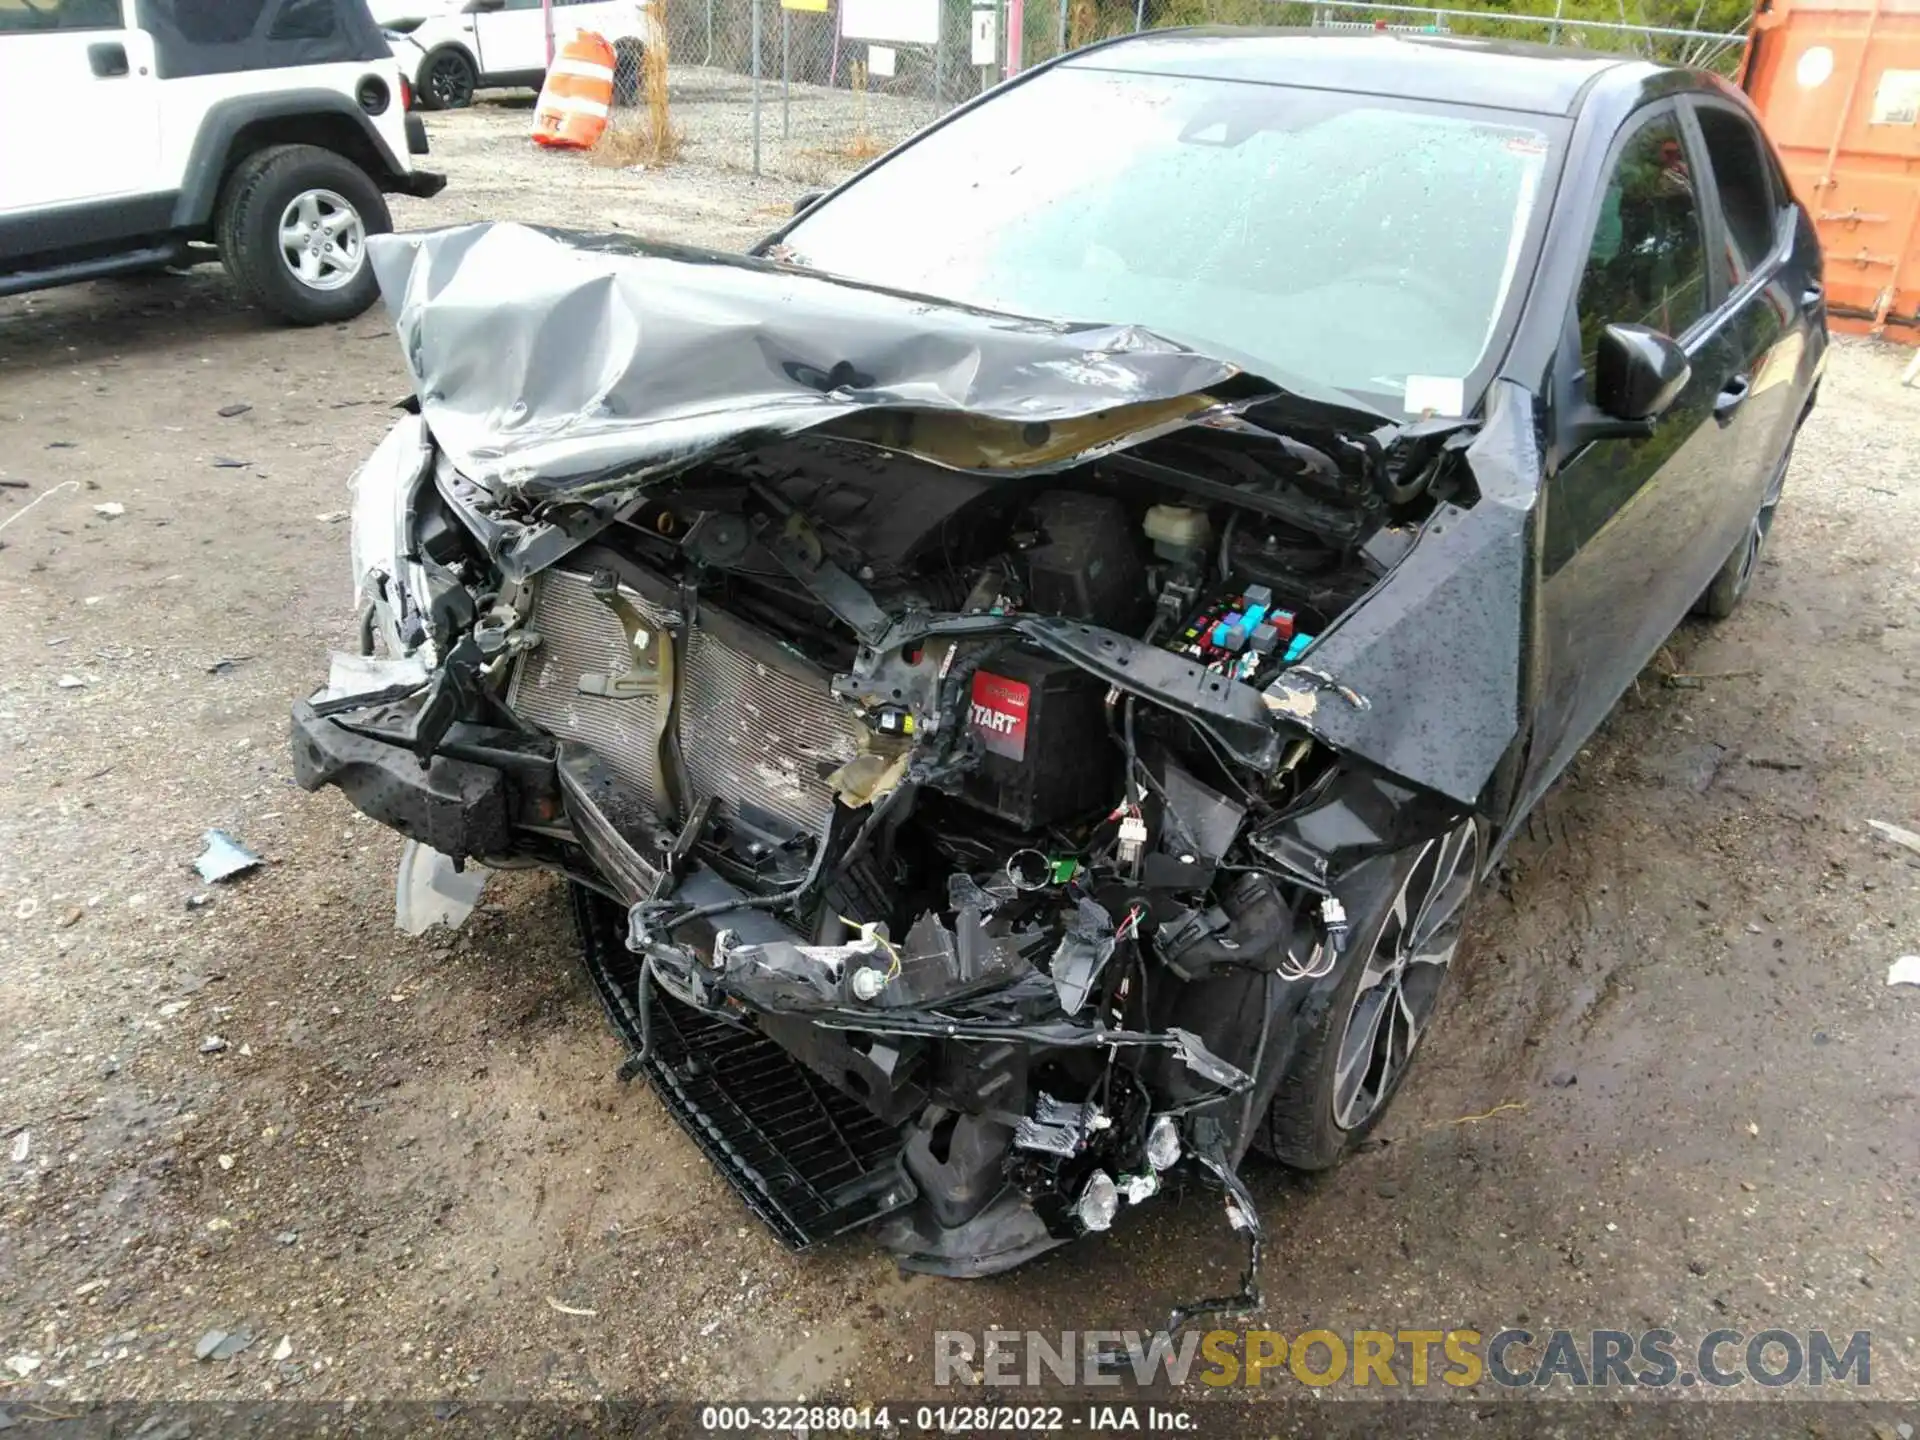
<point>637,136</point>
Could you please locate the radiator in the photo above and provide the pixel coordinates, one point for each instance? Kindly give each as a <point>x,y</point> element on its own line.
<point>751,733</point>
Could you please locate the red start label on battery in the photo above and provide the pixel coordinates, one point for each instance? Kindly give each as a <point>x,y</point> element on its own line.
<point>999,714</point>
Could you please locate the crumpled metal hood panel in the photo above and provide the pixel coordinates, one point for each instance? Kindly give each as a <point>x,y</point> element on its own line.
<point>550,362</point>
<point>557,366</point>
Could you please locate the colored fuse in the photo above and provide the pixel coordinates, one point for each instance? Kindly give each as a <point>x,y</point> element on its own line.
<point>1297,647</point>
<point>1254,614</point>
<point>1282,622</point>
<point>1220,634</point>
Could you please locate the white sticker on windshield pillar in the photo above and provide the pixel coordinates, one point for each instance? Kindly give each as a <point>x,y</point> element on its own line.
<point>1444,395</point>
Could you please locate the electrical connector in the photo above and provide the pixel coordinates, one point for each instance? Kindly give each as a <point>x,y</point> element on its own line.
<point>1333,918</point>
<point>1133,841</point>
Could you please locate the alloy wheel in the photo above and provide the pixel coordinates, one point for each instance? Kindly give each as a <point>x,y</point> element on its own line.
<point>323,240</point>
<point>1400,985</point>
<point>1762,523</point>
<point>449,83</point>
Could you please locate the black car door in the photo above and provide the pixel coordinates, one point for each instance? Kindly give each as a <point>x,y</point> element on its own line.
<point>1632,529</point>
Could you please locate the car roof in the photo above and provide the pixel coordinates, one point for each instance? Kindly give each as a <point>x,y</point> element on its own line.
<point>1544,79</point>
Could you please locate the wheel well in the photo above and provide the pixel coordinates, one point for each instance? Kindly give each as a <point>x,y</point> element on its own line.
<point>441,49</point>
<point>337,133</point>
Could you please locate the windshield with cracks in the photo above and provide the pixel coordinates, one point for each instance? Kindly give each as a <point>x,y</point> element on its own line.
<point>1366,242</point>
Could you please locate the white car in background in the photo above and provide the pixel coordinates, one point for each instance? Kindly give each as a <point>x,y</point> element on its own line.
<point>452,48</point>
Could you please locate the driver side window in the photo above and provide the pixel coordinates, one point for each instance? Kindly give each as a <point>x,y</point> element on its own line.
<point>1647,264</point>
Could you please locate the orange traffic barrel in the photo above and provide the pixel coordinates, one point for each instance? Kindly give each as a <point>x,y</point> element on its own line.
<point>1837,83</point>
<point>578,95</point>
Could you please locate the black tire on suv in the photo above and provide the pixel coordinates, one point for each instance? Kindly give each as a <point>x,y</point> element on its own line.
<point>447,80</point>
<point>292,229</point>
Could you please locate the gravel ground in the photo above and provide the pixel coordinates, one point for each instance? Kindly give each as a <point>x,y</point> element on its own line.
<point>1670,1086</point>
<point>811,134</point>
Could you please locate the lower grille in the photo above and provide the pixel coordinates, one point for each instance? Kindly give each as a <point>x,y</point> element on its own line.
<point>808,1160</point>
<point>751,734</point>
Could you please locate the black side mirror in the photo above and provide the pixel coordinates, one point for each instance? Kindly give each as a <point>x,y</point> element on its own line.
<point>808,201</point>
<point>1638,372</point>
<point>1637,375</point>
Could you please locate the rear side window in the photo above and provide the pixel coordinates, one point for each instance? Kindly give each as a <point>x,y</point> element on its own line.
<point>1740,176</point>
<point>305,20</point>
<point>1647,263</point>
<point>29,17</point>
<point>217,22</point>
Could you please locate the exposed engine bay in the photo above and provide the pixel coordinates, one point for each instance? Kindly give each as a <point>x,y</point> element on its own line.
<point>955,843</point>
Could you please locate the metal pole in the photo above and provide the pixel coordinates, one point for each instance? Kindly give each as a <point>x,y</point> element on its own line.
<point>755,6</point>
<point>1060,40</point>
<point>1139,16</point>
<point>546,24</point>
<point>786,73</point>
<point>939,57</point>
<point>1559,9</point>
<point>1016,36</point>
<point>709,59</point>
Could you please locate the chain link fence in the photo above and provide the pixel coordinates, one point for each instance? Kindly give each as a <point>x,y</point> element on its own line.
<point>809,94</point>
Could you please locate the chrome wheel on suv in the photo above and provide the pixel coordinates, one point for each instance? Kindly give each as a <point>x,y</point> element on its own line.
<point>322,240</point>
<point>293,227</point>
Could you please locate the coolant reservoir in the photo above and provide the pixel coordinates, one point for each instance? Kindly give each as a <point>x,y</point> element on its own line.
<point>1179,532</point>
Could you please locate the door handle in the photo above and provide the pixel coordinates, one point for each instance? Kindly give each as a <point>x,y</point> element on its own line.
<point>108,59</point>
<point>1731,397</point>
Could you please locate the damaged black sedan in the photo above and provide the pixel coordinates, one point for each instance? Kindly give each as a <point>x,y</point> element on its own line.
<point>1013,746</point>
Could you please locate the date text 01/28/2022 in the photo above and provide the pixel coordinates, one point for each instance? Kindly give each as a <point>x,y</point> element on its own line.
<point>942,1419</point>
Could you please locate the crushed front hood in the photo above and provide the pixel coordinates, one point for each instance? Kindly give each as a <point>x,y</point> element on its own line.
<point>559,366</point>
<point>560,373</point>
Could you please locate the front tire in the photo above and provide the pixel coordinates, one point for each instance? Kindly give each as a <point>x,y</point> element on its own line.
<point>293,228</point>
<point>1406,912</point>
<point>447,79</point>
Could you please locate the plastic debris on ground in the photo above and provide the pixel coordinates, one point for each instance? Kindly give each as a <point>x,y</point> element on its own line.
<point>1904,971</point>
<point>428,891</point>
<point>224,858</point>
<point>349,674</point>
<point>1898,834</point>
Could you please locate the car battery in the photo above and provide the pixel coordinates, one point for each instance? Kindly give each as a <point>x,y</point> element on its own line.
<point>1041,724</point>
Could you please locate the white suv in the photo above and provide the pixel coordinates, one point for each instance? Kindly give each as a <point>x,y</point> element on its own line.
<point>453,47</point>
<point>136,133</point>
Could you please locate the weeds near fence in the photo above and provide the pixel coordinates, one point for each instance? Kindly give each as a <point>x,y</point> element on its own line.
<point>865,144</point>
<point>653,139</point>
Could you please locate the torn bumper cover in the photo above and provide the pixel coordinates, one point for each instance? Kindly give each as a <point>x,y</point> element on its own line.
<point>688,577</point>
<point>716,995</point>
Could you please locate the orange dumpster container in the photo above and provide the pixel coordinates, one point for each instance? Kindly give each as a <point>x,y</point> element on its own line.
<point>1838,84</point>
